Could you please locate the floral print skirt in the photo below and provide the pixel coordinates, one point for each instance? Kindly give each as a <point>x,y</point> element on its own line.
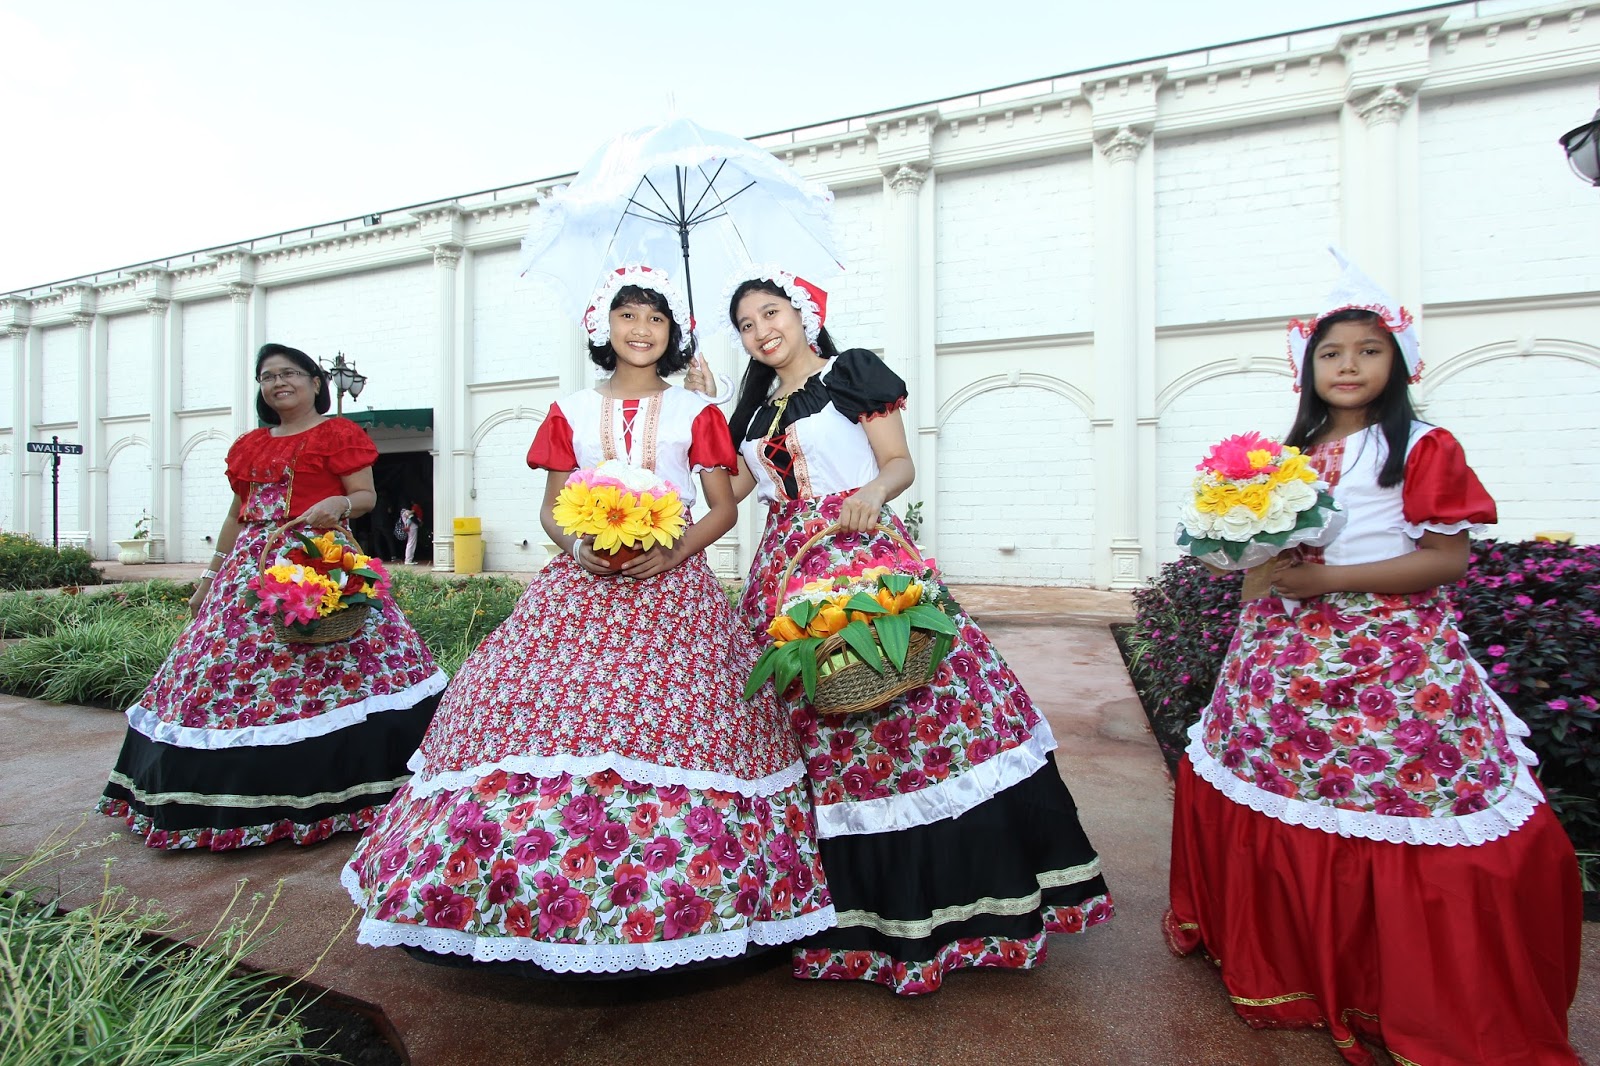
<point>949,838</point>
<point>242,740</point>
<point>595,796</point>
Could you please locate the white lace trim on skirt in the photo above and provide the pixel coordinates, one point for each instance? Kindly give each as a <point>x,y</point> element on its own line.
<point>645,773</point>
<point>146,722</point>
<point>949,798</point>
<point>1462,830</point>
<point>585,958</point>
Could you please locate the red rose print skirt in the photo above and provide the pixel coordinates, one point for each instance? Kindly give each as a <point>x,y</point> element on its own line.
<point>241,740</point>
<point>910,796</point>
<point>595,796</point>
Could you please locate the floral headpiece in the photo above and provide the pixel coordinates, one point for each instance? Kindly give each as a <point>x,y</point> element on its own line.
<point>597,319</point>
<point>808,299</point>
<point>1355,291</point>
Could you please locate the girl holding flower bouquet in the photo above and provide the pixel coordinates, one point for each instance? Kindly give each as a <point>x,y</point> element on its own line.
<point>1359,841</point>
<point>949,838</point>
<point>243,737</point>
<point>595,795</point>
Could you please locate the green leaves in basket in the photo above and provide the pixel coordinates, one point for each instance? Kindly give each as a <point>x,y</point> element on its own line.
<point>858,635</point>
<point>895,583</point>
<point>802,613</point>
<point>783,663</point>
<point>930,618</point>
<point>863,603</point>
<point>894,633</point>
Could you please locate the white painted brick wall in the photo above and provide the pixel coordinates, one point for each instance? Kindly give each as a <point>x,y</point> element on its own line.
<point>383,320</point>
<point>205,500</point>
<point>518,329</point>
<point>8,509</point>
<point>1228,203</point>
<point>207,353</point>
<point>1014,465</point>
<point>127,495</point>
<point>128,365</point>
<point>1528,427</point>
<point>60,374</point>
<point>1502,213</point>
<point>6,392</point>
<point>1215,408</point>
<point>856,299</point>
<point>1015,251</point>
<point>509,495</point>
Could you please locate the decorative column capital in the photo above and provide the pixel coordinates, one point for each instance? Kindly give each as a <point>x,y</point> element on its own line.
<point>16,332</point>
<point>1123,146</point>
<point>156,306</point>
<point>1386,105</point>
<point>446,255</point>
<point>907,178</point>
<point>83,320</point>
<point>239,293</point>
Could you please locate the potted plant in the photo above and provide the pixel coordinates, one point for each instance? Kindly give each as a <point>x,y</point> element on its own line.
<point>136,549</point>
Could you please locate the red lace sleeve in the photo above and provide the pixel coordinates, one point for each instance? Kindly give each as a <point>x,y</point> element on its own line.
<point>1441,493</point>
<point>349,448</point>
<point>240,456</point>
<point>552,446</point>
<point>710,446</point>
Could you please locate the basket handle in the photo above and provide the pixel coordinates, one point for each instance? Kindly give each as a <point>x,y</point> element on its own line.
<point>828,531</point>
<point>275,538</point>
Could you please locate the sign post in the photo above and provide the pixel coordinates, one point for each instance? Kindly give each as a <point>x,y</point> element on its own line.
<point>55,450</point>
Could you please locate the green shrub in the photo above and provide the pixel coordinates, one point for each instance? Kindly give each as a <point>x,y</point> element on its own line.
<point>103,660</point>
<point>28,564</point>
<point>95,985</point>
<point>453,617</point>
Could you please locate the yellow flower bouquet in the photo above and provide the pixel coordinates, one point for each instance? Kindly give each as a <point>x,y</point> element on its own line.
<point>624,510</point>
<point>1252,499</point>
<point>856,642</point>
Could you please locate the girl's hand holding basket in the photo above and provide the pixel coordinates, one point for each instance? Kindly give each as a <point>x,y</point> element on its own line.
<point>860,642</point>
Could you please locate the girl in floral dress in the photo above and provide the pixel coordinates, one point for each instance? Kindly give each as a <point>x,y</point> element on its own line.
<point>595,797</point>
<point>949,838</point>
<point>241,739</point>
<point>1359,842</point>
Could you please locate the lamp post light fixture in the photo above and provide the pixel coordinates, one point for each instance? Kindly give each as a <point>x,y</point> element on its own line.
<point>1582,146</point>
<point>345,378</point>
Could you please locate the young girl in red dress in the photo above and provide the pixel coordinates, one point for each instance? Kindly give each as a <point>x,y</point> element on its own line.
<point>1359,842</point>
<point>595,796</point>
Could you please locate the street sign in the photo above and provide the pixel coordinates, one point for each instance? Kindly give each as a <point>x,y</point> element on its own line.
<point>55,449</point>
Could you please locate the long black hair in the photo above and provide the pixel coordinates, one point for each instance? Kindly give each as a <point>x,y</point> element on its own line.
<point>319,378</point>
<point>756,385</point>
<point>1391,411</point>
<point>673,359</point>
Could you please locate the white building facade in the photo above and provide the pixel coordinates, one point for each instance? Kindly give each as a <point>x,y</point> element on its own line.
<point>1084,281</point>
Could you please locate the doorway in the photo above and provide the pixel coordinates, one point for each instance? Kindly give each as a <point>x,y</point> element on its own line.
<point>401,479</point>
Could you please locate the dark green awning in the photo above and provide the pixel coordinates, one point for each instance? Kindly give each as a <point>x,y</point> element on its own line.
<point>417,418</point>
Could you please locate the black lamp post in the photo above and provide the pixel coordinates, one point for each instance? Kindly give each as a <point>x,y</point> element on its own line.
<point>1582,146</point>
<point>345,378</point>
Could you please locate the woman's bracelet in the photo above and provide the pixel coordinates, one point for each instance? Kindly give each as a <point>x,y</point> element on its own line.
<point>577,547</point>
<point>208,575</point>
<point>349,505</point>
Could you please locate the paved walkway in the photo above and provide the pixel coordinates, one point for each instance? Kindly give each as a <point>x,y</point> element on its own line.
<point>1113,995</point>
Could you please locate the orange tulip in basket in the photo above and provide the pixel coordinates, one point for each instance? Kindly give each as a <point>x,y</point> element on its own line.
<point>315,589</point>
<point>855,643</point>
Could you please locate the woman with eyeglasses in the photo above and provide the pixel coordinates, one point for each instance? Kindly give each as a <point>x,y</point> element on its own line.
<point>242,739</point>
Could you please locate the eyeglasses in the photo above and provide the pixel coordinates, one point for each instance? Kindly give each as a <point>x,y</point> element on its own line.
<point>267,377</point>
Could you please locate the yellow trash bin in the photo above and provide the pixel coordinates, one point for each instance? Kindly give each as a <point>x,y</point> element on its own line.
<point>469,545</point>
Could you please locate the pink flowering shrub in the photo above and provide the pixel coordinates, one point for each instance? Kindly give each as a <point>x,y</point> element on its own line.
<point>1530,610</point>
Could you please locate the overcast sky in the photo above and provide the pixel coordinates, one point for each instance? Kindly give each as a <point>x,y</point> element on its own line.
<point>136,131</point>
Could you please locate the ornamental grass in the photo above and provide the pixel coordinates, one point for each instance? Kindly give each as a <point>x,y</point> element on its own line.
<point>100,984</point>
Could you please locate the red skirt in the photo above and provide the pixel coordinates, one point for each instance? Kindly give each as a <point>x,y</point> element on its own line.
<point>1441,955</point>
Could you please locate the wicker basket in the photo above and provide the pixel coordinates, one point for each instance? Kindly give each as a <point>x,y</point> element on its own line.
<point>340,625</point>
<point>857,687</point>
